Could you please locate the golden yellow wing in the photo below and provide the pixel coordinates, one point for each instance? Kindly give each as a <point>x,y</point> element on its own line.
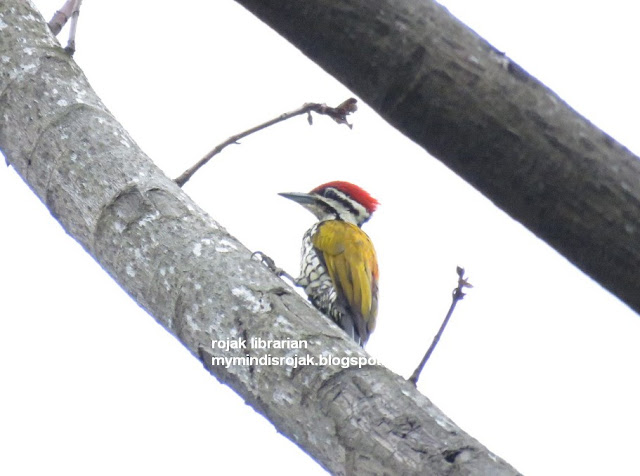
<point>353,267</point>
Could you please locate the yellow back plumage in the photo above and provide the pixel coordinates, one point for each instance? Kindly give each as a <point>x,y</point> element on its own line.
<point>353,267</point>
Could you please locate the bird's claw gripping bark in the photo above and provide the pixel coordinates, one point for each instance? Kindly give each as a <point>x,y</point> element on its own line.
<point>271,264</point>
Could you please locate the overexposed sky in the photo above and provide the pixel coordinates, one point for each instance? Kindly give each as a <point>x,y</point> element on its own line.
<point>539,363</point>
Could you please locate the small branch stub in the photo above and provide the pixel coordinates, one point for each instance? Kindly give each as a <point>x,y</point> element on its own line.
<point>457,295</point>
<point>338,114</point>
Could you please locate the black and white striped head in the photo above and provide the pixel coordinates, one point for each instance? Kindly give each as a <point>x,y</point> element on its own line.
<point>337,201</point>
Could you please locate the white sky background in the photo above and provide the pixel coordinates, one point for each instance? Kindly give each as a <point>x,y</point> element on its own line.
<point>539,363</point>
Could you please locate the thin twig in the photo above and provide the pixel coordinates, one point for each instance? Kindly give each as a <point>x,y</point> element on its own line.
<point>71,44</point>
<point>338,114</point>
<point>70,10</point>
<point>456,296</point>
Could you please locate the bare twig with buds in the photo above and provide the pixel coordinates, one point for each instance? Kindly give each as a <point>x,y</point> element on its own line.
<point>457,295</point>
<point>338,114</point>
<point>70,10</point>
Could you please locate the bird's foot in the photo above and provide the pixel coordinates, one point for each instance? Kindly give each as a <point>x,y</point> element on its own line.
<point>269,263</point>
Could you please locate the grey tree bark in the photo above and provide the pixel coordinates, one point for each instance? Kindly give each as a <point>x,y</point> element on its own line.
<point>198,281</point>
<point>484,117</point>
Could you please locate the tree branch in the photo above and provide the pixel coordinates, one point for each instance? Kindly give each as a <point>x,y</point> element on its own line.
<point>172,258</point>
<point>338,114</point>
<point>456,295</point>
<point>60,17</point>
<point>70,10</point>
<point>486,118</point>
<point>71,43</point>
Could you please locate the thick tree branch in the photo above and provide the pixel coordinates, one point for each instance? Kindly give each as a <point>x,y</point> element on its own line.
<point>487,119</point>
<point>199,282</point>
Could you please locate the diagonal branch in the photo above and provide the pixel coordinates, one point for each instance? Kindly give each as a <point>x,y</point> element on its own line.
<point>201,284</point>
<point>338,114</point>
<point>485,118</point>
<point>60,17</point>
<point>69,11</point>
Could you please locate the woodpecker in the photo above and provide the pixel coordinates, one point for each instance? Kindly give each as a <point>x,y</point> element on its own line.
<point>339,269</point>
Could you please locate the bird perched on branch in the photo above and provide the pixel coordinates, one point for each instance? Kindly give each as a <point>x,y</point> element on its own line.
<point>339,270</point>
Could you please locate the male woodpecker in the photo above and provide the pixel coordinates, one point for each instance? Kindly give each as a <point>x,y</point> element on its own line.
<point>339,270</point>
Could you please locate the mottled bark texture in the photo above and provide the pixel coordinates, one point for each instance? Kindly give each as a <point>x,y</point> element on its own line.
<point>198,281</point>
<point>500,129</point>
